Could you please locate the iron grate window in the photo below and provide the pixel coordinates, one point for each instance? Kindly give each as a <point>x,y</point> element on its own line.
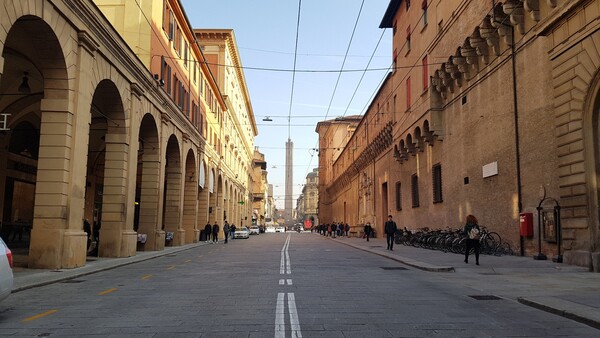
<point>437,183</point>
<point>414,185</point>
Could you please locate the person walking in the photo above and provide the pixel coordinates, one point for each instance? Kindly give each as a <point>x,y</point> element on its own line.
<point>215,233</point>
<point>226,231</point>
<point>390,229</point>
<point>368,230</point>
<point>232,230</point>
<point>207,232</point>
<point>473,233</point>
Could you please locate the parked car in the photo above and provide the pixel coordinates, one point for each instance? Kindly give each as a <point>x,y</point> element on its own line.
<point>280,229</point>
<point>254,230</point>
<point>242,232</point>
<point>6,273</point>
<point>270,229</point>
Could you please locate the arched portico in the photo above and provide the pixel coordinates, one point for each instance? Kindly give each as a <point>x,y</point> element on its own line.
<point>190,201</point>
<point>35,88</point>
<point>171,220</point>
<point>148,186</point>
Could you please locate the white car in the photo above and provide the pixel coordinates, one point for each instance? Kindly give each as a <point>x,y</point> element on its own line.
<point>242,232</point>
<point>6,273</point>
<point>270,229</point>
<point>280,229</point>
<point>254,230</point>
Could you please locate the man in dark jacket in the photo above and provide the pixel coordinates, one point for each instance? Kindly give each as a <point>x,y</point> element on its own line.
<point>368,230</point>
<point>226,231</point>
<point>390,230</point>
<point>207,232</point>
<point>215,233</point>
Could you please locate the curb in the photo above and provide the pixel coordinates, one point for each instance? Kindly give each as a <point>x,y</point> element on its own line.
<point>407,261</point>
<point>577,312</point>
<point>91,269</point>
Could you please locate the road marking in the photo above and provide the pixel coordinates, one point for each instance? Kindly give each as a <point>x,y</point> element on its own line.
<point>171,267</point>
<point>107,291</point>
<point>38,316</point>
<point>282,282</point>
<point>189,260</point>
<point>280,316</point>
<point>289,281</point>
<point>146,277</point>
<point>296,332</point>
<point>294,321</point>
<point>285,266</point>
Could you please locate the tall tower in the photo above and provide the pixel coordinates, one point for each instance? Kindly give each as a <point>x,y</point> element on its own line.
<point>289,180</point>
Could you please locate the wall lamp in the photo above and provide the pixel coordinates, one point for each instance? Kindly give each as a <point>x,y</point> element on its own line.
<point>24,86</point>
<point>267,119</point>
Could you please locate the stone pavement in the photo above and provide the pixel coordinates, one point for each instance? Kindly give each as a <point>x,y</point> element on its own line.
<point>566,290</point>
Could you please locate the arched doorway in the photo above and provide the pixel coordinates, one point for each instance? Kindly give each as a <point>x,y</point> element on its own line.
<point>171,220</point>
<point>147,187</point>
<point>190,202</point>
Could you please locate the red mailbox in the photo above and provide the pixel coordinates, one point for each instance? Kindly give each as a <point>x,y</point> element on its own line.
<point>526,224</point>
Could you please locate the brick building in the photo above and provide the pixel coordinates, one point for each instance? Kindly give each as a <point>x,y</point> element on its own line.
<point>491,109</point>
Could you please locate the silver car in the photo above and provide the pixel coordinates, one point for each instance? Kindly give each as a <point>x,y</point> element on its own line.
<point>6,273</point>
<point>242,232</point>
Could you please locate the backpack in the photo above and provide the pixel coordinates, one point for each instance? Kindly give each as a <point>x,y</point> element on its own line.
<point>474,233</point>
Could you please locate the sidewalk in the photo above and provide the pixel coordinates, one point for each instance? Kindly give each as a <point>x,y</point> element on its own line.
<point>29,278</point>
<point>566,290</point>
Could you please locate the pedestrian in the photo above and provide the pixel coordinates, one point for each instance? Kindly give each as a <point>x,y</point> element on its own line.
<point>207,232</point>
<point>347,229</point>
<point>226,231</point>
<point>390,229</point>
<point>232,230</point>
<point>473,233</point>
<point>368,230</point>
<point>215,233</point>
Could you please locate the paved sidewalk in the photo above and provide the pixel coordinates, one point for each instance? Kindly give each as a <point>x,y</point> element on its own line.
<point>567,290</point>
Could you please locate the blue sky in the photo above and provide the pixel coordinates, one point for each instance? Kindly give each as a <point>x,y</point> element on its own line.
<point>265,32</point>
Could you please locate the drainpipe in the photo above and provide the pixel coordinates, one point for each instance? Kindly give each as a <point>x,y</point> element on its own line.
<point>517,147</point>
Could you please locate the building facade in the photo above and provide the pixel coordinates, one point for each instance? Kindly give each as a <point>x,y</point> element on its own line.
<point>113,117</point>
<point>260,186</point>
<point>491,109</point>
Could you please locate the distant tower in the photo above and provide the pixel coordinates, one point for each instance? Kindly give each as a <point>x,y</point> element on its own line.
<point>289,180</point>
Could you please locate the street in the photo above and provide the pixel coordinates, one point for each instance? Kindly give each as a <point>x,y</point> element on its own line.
<point>275,285</point>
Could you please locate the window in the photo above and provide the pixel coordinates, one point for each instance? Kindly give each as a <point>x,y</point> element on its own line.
<point>394,60</point>
<point>425,74</point>
<point>414,186</point>
<point>171,32</point>
<point>195,71</point>
<point>437,183</point>
<point>398,197</point>
<point>185,54</point>
<point>408,93</point>
<point>424,7</point>
<point>165,17</point>
<point>408,39</point>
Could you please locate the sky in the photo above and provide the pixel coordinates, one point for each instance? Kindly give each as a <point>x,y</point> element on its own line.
<point>329,36</point>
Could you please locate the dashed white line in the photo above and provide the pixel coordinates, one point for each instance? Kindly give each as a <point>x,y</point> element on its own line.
<point>280,316</point>
<point>294,322</point>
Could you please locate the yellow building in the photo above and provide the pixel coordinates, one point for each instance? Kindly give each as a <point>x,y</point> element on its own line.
<point>490,110</point>
<point>111,114</point>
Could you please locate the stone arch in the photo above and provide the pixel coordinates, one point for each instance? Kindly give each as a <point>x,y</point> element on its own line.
<point>190,199</point>
<point>147,185</point>
<point>203,195</point>
<point>35,75</point>
<point>107,173</point>
<point>172,193</point>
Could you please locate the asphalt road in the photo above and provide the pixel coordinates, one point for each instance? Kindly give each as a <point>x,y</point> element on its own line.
<point>273,285</point>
